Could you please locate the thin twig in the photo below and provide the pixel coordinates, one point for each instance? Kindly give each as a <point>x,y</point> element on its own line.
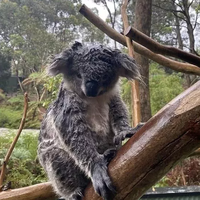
<point>12,146</point>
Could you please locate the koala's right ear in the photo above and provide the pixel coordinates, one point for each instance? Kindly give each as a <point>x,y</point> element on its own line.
<point>60,62</point>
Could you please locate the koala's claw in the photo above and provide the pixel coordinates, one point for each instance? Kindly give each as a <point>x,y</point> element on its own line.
<point>101,181</point>
<point>109,154</point>
<point>127,133</point>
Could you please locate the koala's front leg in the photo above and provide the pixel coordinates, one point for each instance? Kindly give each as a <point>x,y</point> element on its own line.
<point>120,120</point>
<point>76,137</point>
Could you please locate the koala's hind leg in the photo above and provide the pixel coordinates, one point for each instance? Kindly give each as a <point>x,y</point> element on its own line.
<point>66,177</point>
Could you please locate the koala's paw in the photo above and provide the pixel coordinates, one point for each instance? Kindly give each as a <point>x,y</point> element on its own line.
<point>109,154</point>
<point>101,180</point>
<point>127,133</point>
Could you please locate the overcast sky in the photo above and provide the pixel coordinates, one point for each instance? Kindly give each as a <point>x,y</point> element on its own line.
<point>102,11</point>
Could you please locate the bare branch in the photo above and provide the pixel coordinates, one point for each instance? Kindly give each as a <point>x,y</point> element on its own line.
<point>136,113</point>
<point>99,23</point>
<point>154,46</point>
<point>12,146</point>
<point>40,191</point>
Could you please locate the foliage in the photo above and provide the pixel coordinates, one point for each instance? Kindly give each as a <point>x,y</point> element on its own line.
<point>16,102</point>
<point>23,167</point>
<point>10,118</point>
<point>30,31</point>
<point>5,72</point>
<point>2,97</point>
<point>186,173</point>
<point>126,92</point>
<point>12,110</point>
<point>46,89</point>
<point>163,87</point>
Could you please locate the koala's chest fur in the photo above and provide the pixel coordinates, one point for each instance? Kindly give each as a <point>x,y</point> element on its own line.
<point>97,115</point>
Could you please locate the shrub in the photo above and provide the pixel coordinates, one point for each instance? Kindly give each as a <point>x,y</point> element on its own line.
<point>17,102</point>
<point>10,118</point>
<point>2,97</point>
<point>163,87</point>
<point>23,168</point>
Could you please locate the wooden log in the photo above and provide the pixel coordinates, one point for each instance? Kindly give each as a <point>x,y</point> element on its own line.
<point>42,191</point>
<point>156,47</point>
<point>171,135</point>
<point>99,23</point>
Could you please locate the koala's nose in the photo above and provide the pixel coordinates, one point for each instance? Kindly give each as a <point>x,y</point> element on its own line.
<point>91,88</point>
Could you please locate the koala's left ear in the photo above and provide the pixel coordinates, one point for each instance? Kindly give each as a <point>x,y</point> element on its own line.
<point>127,66</point>
<point>60,62</point>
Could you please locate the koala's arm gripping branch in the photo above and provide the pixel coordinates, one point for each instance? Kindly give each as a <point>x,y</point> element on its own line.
<point>171,135</point>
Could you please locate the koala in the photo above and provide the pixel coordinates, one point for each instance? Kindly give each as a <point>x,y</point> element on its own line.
<point>84,127</point>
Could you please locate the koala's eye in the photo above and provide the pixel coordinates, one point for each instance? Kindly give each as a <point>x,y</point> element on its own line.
<point>78,76</point>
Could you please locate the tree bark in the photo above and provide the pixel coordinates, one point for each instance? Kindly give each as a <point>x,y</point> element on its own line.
<point>143,24</point>
<point>42,191</point>
<point>168,137</point>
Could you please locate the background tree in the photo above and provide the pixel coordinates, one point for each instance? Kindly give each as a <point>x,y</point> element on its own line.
<point>5,72</point>
<point>143,24</point>
<point>183,23</point>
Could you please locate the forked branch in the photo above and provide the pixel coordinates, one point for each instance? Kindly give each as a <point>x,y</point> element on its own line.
<point>177,66</point>
<point>156,47</point>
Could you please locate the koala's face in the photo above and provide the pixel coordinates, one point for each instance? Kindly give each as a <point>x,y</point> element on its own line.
<point>93,71</point>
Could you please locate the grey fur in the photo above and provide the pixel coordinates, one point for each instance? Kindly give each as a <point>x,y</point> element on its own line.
<point>84,126</point>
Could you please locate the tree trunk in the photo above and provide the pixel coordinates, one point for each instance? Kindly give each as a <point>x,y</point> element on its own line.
<point>190,28</point>
<point>185,7</point>
<point>178,29</point>
<point>143,24</point>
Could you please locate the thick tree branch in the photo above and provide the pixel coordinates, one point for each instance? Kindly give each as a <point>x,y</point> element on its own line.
<point>99,23</point>
<point>40,191</point>
<point>154,46</point>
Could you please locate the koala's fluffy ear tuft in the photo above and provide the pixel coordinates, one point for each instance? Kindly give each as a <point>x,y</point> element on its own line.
<point>60,62</point>
<point>127,66</point>
<point>76,46</point>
